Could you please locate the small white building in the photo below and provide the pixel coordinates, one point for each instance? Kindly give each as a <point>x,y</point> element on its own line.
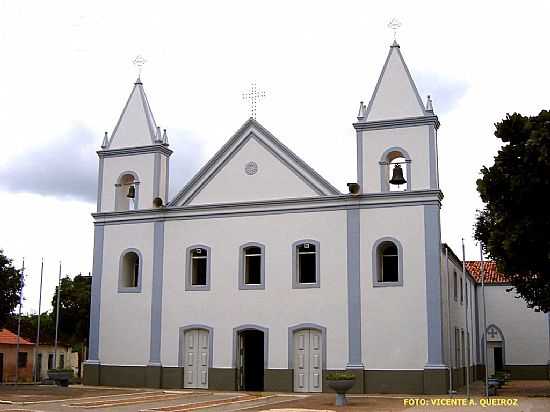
<point>46,359</point>
<point>259,274</point>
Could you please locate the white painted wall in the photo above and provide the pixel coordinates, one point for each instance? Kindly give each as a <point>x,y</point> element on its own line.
<point>142,164</point>
<point>459,312</point>
<point>278,306</point>
<point>274,180</point>
<point>414,140</point>
<point>394,324</point>
<point>125,318</point>
<point>525,331</point>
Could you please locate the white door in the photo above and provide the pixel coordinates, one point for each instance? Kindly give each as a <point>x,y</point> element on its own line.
<point>196,358</point>
<point>308,368</point>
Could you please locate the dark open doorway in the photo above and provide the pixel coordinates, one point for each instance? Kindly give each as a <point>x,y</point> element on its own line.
<point>499,363</point>
<point>251,360</point>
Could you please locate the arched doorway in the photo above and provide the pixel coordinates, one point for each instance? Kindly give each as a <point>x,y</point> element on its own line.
<point>495,350</point>
<point>250,357</point>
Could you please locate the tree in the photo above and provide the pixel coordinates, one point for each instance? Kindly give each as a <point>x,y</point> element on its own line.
<point>514,225</point>
<point>74,312</point>
<point>11,283</point>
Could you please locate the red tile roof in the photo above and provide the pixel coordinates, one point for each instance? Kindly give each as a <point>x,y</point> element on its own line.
<point>9,338</point>
<point>492,275</point>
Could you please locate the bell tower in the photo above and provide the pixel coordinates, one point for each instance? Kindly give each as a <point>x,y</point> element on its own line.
<point>396,134</point>
<point>134,160</point>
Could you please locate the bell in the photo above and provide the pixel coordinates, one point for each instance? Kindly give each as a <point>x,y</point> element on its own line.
<point>397,177</point>
<point>131,192</point>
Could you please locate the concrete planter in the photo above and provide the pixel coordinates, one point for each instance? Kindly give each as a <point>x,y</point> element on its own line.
<point>341,386</point>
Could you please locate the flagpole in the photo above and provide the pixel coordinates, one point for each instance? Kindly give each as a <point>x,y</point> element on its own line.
<point>38,323</point>
<point>19,323</point>
<point>57,318</point>
<point>484,322</point>
<point>468,297</point>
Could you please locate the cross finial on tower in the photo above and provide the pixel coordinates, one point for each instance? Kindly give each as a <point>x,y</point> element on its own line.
<point>394,24</point>
<point>139,61</point>
<point>253,95</point>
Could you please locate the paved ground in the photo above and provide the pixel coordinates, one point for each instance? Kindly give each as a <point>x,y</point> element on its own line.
<point>528,396</point>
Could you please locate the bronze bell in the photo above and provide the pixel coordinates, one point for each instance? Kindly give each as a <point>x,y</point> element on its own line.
<point>397,177</point>
<point>131,192</point>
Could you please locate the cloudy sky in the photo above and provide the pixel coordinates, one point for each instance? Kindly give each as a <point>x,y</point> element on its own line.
<point>66,73</point>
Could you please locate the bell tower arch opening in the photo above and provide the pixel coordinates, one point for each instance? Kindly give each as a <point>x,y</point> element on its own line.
<point>127,192</point>
<point>395,170</point>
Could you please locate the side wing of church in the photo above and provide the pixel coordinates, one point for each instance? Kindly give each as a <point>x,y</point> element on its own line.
<point>260,275</point>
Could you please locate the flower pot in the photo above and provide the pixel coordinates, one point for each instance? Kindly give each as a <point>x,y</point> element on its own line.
<point>341,386</point>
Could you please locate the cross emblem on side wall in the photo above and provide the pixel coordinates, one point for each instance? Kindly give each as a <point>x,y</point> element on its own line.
<point>492,332</point>
<point>253,95</point>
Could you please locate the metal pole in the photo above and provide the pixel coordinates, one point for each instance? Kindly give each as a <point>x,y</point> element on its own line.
<point>449,321</point>
<point>36,378</point>
<point>19,323</point>
<point>468,297</point>
<point>484,323</point>
<point>57,318</point>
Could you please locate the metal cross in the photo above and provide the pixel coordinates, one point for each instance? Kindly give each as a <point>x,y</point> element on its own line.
<point>139,61</point>
<point>253,95</point>
<point>394,24</point>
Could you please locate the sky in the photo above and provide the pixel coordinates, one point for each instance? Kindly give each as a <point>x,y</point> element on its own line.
<point>66,71</point>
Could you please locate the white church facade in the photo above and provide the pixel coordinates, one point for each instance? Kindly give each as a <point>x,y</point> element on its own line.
<point>261,275</point>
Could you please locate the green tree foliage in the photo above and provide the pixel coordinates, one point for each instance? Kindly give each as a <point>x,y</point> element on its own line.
<point>74,310</point>
<point>514,226</point>
<point>29,326</point>
<point>11,283</point>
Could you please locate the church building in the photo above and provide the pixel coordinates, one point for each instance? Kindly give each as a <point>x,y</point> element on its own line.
<point>261,275</point>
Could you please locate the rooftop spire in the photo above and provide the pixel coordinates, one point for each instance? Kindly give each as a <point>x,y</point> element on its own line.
<point>105,142</point>
<point>429,105</point>
<point>362,114</point>
<point>136,125</point>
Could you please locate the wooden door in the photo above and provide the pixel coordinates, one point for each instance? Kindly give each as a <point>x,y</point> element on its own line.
<point>197,349</point>
<point>308,365</point>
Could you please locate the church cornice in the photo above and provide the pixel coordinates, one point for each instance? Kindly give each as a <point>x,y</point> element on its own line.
<point>395,123</point>
<point>130,151</point>
<point>270,207</point>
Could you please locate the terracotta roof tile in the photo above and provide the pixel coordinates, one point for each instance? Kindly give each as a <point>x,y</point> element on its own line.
<point>492,275</point>
<point>9,338</point>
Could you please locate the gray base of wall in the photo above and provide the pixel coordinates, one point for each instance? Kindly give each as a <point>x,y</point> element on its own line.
<point>529,371</point>
<point>428,381</point>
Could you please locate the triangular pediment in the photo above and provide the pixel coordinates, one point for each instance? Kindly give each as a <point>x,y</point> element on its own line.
<point>253,166</point>
<point>395,95</point>
<point>136,125</point>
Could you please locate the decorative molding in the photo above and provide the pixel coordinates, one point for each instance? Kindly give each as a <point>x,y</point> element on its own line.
<point>188,284</point>
<point>95,305</point>
<point>353,222</point>
<point>432,248</point>
<point>156,293</point>
<point>376,266</point>
<point>295,283</point>
<point>242,284</point>
<point>251,168</point>
<point>232,145</point>
<point>130,289</point>
<point>397,123</point>
<point>131,151</point>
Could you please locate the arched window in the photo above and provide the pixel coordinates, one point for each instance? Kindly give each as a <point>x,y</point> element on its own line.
<point>130,271</point>
<point>126,192</point>
<point>388,263</point>
<point>252,266</point>
<point>306,264</point>
<point>395,170</point>
<point>198,268</point>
